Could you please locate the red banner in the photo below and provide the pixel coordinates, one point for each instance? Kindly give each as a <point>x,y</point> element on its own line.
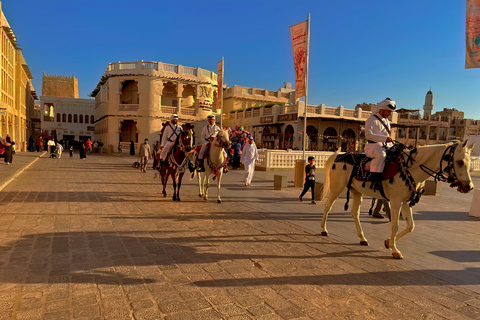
<point>298,33</point>
<point>472,35</point>
<point>220,85</point>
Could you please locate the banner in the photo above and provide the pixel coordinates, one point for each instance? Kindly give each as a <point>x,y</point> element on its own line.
<point>472,35</point>
<point>298,33</point>
<point>220,85</point>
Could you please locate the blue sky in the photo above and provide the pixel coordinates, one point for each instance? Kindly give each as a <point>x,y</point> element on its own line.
<point>360,51</point>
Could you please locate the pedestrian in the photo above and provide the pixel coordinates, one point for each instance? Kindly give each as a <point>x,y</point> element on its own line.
<point>100,146</point>
<point>237,152</point>
<point>2,148</point>
<point>70,150</point>
<point>9,149</point>
<point>59,150</point>
<point>51,146</point>
<point>309,179</point>
<point>132,148</point>
<point>143,153</point>
<point>95,147</point>
<point>386,207</point>
<point>88,144</point>
<point>81,147</point>
<point>249,156</point>
<point>119,147</point>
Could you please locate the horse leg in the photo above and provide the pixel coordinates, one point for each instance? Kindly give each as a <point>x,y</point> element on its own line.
<point>390,242</point>
<point>357,201</point>
<point>180,177</point>
<point>174,198</point>
<point>408,217</point>
<point>335,190</point>
<point>164,182</point>
<point>200,187</point>
<point>206,184</point>
<point>219,179</point>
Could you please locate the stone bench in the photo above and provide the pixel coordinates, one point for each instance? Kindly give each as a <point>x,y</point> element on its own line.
<point>475,208</point>
<point>279,182</point>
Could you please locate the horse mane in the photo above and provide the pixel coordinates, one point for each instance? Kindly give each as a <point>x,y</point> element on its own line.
<point>425,152</point>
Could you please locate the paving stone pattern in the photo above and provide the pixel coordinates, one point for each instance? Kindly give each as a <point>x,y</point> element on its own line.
<point>93,239</point>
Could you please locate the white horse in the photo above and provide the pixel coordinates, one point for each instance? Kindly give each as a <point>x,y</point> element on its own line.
<point>452,159</point>
<point>214,162</point>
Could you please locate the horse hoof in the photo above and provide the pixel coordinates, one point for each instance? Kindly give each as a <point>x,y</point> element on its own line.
<point>324,233</point>
<point>397,255</point>
<point>164,195</point>
<point>387,243</point>
<point>364,243</point>
<point>199,195</point>
<point>219,201</point>
<point>178,199</point>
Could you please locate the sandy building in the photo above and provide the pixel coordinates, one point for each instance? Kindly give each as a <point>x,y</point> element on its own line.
<point>134,99</point>
<point>15,87</point>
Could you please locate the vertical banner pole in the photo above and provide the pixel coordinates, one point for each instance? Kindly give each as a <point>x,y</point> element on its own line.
<point>305,137</point>
<point>221,89</point>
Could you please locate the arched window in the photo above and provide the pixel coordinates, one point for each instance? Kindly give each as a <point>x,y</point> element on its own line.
<point>58,117</point>
<point>75,118</point>
<point>80,119</point>
<point>64,117</point>
<point>70,118</point>
<point>52,112</point>
<point>92,119</point>
<point>86,118</point>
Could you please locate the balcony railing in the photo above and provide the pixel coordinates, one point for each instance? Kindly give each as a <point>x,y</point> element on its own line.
<point>330,111</point>
<point>189,70</point>
<point>150,65</point>
<point>267,111</point>
<point>168,109</point>
<point>127,65</point>
<point>187,111</point>
<point>128,107</point>
<point>170,68</point>
<point>348,113</point>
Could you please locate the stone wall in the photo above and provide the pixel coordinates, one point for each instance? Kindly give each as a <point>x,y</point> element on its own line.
<point>59,86</point>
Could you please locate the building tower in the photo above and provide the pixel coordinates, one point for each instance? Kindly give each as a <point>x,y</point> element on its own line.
<point>428,107</point>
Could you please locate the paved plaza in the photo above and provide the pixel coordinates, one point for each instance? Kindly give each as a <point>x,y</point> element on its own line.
<point>94,239</point>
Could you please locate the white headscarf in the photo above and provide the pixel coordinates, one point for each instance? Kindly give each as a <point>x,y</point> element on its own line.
<point>386,104</point>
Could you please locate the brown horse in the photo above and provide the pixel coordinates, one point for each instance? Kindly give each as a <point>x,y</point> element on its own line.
<point>176,162</point>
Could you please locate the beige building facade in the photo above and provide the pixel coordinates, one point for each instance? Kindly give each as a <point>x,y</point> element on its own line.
<point>134,99</point>
<point>16,90</point>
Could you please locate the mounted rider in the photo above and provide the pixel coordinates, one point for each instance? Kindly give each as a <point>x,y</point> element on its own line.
<point>377,133</point>
<point>171,133</point>
<point>209,132</point>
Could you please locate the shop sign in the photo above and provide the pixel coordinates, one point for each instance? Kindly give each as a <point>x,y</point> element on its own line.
<point>287,117</point>
<point>268,119</point>
<point>3,111</point>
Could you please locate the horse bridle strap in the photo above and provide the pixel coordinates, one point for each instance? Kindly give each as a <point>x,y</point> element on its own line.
<point>449,168</point>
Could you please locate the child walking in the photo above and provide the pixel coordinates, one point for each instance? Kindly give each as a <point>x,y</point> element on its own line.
<point>309,179</point>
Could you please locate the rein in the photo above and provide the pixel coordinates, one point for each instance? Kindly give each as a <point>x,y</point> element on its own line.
<point>172,162</point>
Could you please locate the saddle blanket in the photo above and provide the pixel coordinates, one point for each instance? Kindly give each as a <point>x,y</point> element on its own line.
<point>361,166</point>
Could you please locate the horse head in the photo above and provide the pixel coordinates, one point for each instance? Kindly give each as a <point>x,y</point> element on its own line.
<point>223,140</point>
<point>460,175</point>
<point>186,140</point>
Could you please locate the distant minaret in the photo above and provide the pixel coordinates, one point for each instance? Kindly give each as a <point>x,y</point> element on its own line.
<point>428,107</point>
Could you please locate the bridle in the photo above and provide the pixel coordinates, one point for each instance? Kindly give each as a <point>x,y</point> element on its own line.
<point>221,143</point>
<point>446,174</point>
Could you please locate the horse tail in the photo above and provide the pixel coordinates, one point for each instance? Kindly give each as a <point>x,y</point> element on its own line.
<point>328,168</point>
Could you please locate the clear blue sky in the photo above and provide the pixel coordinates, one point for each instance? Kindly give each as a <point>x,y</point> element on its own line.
<point>360,51</point>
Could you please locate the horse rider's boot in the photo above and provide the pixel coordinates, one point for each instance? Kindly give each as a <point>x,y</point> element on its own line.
<point>376,181</point>
<point>191,167</point>
<point>225,169</point>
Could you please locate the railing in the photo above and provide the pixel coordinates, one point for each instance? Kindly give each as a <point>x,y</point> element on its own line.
<point>365,115</point>
<point>267,111</point>
<point>150,65</point>
<point>128,107</point>
<point>248,114</point>
<point>111,66</point>
<point>256,112</point>
<point>127,65</point>
<point>170,68</point>
<point>246,91</point>
<point>239,115</point>
<point>475,164</point>
<point>330,111</point>
<point>232,116</point>
<point>167,109</point>
<point>272,93</point>
<point>348,113</point>
<point>206,73</point>
<point>189,70</point>
<point>311,109</point>
<point>187,111</point>
<point>291,109</point>
<point>282,159</point>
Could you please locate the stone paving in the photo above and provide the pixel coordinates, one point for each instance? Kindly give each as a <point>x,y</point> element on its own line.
<point>93,239</point>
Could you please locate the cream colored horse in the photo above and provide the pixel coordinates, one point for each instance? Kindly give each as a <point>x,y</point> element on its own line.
<point>213,165</point>
<point>433,157</point>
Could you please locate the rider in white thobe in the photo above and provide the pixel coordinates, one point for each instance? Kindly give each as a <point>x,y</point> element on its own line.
<point>377,133</point>
<point>208,133</point>
<point>170,134</point>
<point>249,156</point>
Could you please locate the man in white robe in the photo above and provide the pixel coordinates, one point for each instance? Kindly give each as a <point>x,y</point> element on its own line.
<point>170,134</point>
<point>377,133</point>
<point>249,156</point>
